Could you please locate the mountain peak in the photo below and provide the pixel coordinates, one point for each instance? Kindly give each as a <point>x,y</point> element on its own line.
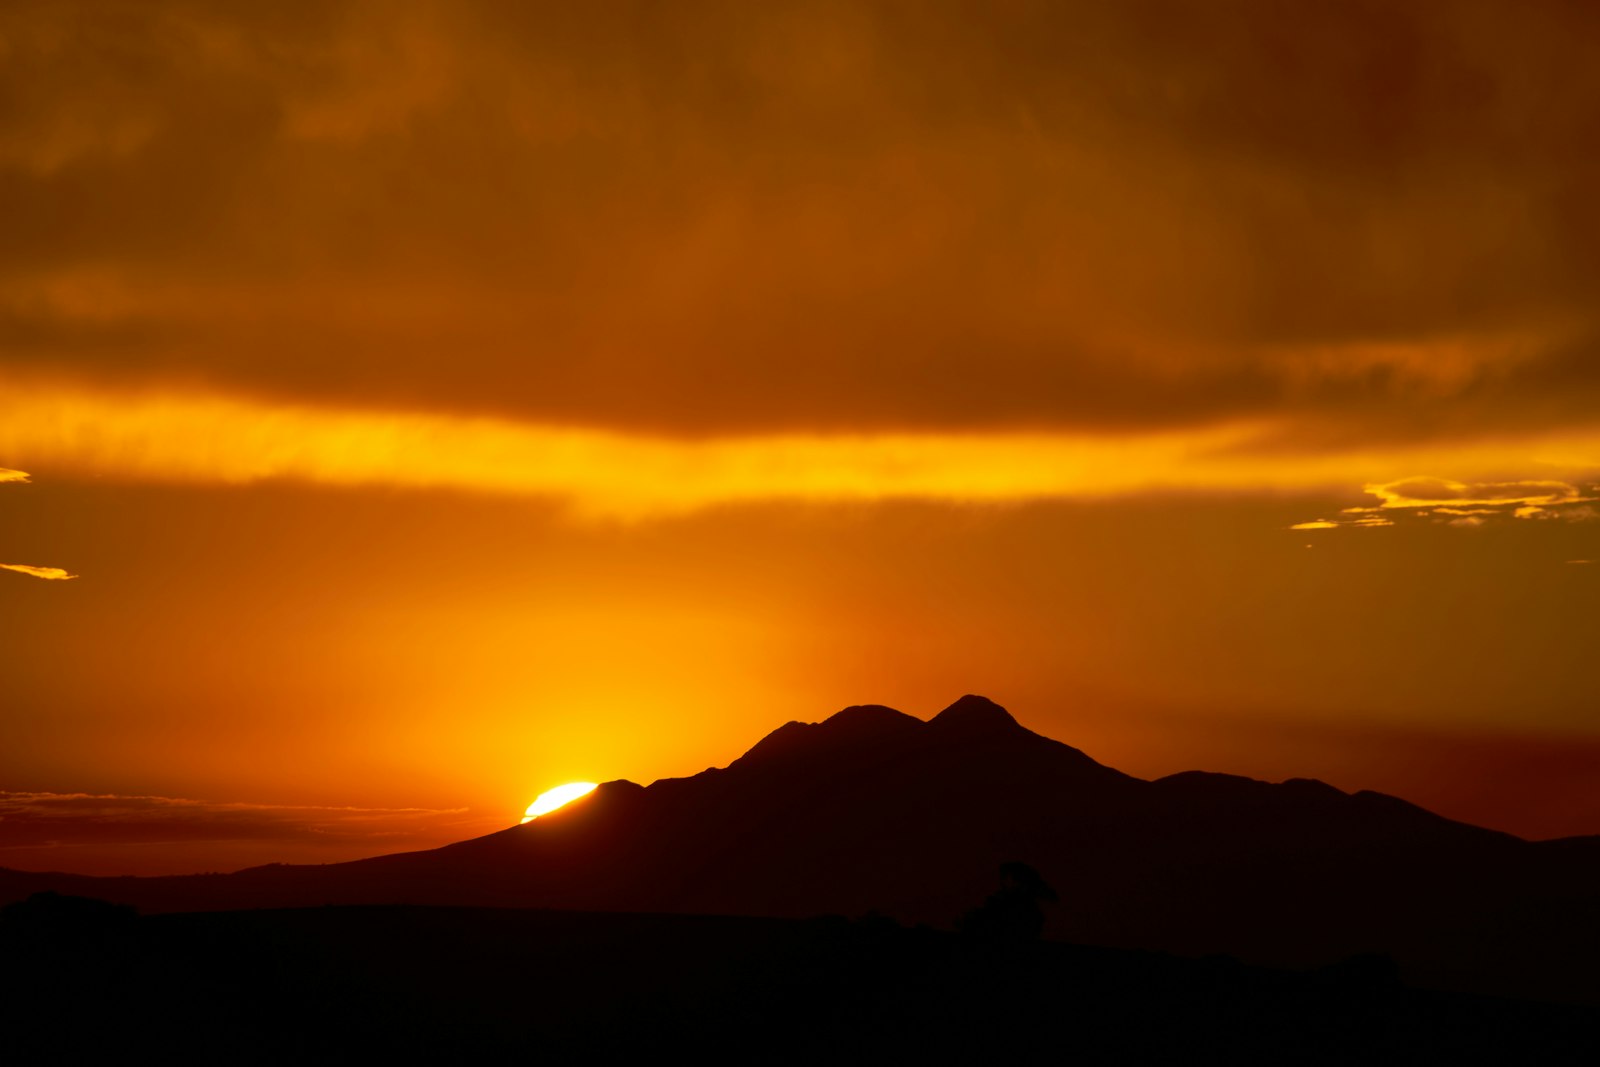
<point>975,714</point>
<point>867,719</point>
<point>856,727</point>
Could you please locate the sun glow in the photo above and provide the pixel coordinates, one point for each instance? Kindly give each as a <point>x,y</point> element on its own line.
<point>560,796</point>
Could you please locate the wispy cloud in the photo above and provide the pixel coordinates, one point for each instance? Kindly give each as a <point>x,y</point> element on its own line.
<point>9,475</point>
<point>55,574</point>
<point>1572,513</point>
<point>1467,504</point>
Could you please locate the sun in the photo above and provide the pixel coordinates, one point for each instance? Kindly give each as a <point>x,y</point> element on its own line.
<point>551,799</point>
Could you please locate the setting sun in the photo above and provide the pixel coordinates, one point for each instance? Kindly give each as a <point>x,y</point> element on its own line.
<point>560,796</point>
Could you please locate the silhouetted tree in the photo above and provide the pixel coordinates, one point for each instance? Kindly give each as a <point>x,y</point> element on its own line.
<point>1012,913</point>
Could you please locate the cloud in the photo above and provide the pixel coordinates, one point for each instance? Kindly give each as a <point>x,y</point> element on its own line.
<point>1362,520</point>
<point>51,573</point>
<point>208,438</point>
<point>1473,504</point>
<point>1326,524</point>
<point>1469,504</point>
<point>56,819</point>
<point>823,218</point>
<point>1440,492</point>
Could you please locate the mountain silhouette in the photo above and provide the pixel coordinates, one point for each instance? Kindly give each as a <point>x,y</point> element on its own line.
<point>873,810</point>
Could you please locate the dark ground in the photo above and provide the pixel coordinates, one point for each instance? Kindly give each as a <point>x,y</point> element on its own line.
<point>85,981</point>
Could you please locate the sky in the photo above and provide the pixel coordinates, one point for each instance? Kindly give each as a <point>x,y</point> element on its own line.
<point>408,407</point>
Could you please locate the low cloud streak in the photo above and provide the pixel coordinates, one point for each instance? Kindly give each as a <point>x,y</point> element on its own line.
<point>54,574</point>
<point>215,439</point>
<point>44,820</point>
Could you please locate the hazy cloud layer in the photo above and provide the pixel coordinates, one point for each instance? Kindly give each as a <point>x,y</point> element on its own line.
<point>214,439</point>
<point>732,217</point>
<point>64,819</point>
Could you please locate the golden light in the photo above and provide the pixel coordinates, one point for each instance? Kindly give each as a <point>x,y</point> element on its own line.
<point>560,796</point>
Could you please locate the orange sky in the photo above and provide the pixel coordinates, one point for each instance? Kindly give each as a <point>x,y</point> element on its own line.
<point>408,407</point>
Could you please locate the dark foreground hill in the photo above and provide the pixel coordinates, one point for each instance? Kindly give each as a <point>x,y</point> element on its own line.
<point>87,983</point>
<point>873,810</point>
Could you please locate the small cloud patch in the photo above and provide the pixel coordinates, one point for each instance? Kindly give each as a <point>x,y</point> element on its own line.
<point>1329,524</point>
<point>9,475</point>
<point>1442,493</point>
<point>55,574</point>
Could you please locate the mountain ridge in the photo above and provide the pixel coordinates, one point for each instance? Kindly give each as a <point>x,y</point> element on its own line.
<point>875,810</point>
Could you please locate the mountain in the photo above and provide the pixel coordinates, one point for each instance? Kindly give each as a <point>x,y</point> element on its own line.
<point>874,810</point>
